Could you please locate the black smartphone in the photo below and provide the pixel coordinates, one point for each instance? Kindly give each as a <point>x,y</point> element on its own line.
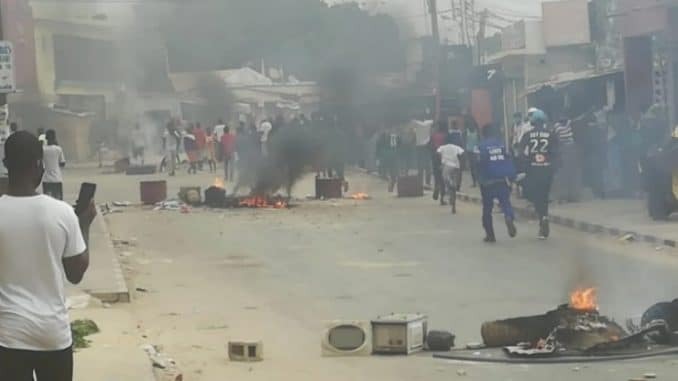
<point>87,191</point>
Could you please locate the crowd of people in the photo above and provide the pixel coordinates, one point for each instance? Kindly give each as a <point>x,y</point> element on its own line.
<point>602,150</point>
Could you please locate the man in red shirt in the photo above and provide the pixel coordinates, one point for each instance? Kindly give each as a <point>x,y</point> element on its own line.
<point>200,144</point>
<point>438,139</point>
<point>228,149</point>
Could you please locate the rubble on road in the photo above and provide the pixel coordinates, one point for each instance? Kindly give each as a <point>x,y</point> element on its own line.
<point>164,367</point>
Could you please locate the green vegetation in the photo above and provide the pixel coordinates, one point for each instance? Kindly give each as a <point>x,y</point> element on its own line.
<point>80,330</point>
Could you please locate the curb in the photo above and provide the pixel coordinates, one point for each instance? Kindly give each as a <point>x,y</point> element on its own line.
<point>119,293</point>
<point>582,226</point>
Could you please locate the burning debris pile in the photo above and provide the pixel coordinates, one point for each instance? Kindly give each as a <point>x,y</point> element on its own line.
<point>578,328</point>
<point>216,197</point>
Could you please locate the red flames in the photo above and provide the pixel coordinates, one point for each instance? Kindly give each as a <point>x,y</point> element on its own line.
<point>263,202</point>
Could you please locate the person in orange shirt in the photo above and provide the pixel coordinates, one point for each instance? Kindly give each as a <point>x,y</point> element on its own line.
<point>200,144</point>
<point>228,150</point>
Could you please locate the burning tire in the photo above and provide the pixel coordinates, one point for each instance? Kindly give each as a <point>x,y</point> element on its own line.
<point>667,311</point>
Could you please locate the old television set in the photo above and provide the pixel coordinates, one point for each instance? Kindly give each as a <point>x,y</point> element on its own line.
<point>347,338</point>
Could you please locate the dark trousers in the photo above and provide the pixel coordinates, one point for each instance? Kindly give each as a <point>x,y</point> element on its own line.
<point>472,165</point>
<point>501,192</point>
<point>438,181</point>
<point>538,186</point>
<point>54,190</point>
<point>19,365</point>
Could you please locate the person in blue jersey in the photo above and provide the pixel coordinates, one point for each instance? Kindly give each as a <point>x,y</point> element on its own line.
<point>495,171</point>
<point>539,148</point>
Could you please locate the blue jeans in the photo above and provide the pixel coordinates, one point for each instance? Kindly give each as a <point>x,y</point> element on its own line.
<point>501,192</point>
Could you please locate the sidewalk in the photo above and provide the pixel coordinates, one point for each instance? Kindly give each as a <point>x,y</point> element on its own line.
<point>115,353</point>
<point>104,278</point>
<point>615,217</point>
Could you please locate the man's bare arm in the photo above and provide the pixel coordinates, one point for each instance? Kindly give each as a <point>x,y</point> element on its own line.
<point>75,267</point>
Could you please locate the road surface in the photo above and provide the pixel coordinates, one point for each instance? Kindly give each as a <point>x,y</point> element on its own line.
<point>276,275</point>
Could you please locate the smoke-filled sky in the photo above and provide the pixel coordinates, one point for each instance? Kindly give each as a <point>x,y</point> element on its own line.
<point>412,13</point>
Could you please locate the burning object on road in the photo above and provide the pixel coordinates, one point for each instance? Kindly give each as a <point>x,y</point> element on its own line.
<point>576,333</point>
<point>360,196</point>
<point>576,327</point>
<point>216,197</point>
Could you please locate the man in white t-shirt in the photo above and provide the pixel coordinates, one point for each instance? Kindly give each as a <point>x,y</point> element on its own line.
<point>264,130</point>
<point>450,156</point>
<point>219,129</point>
<point>43,244</point>
<point>53,160</point>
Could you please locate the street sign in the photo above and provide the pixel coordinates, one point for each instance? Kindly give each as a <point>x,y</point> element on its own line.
<point>7,79</point>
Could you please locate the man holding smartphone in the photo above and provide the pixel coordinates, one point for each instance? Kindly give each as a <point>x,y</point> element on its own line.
<point>41,242</point>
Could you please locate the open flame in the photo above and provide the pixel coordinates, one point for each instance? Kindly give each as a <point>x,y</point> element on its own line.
<point>585,299</point>
<point>360,196</point>
<point>218,183</point>
<point>263,202</point>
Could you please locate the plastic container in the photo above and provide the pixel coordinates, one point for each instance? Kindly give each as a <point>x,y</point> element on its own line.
<point>328,188</point>
<point>153,192</point>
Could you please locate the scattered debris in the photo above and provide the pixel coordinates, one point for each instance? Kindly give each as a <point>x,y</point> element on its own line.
<point>122,203</point>
<point>213,327</point>
<point>650,376</point>
<point>80,329</point>
<point>164,367</point>
<point>474,346</point>
<point>141,289</point>
<point>439,341</point>
<point>576,369</point>
<point>125,242</point>
<point>172,205</point>
<point>82,301</point>
<point>629,237</point>
<point>461,372</point>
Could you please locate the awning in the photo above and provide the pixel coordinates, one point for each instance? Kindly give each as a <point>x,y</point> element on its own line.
<point>562,80</point>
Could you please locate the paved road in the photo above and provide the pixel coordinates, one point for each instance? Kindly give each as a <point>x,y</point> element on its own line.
<point>277,274</point>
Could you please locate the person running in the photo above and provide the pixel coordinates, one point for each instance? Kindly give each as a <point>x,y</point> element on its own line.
<point>42,245</point>
<point>438,139</point>
<point>450,159</point>
<point>539,147</point>
<point>495,170</point>
<point>53,160</point>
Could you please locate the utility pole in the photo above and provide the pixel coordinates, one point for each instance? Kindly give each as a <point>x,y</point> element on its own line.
<point>3,96</point>
<point>433,9</point>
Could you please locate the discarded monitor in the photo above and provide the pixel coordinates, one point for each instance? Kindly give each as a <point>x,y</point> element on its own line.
<point>398,333</point>
<point>347,338</point>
